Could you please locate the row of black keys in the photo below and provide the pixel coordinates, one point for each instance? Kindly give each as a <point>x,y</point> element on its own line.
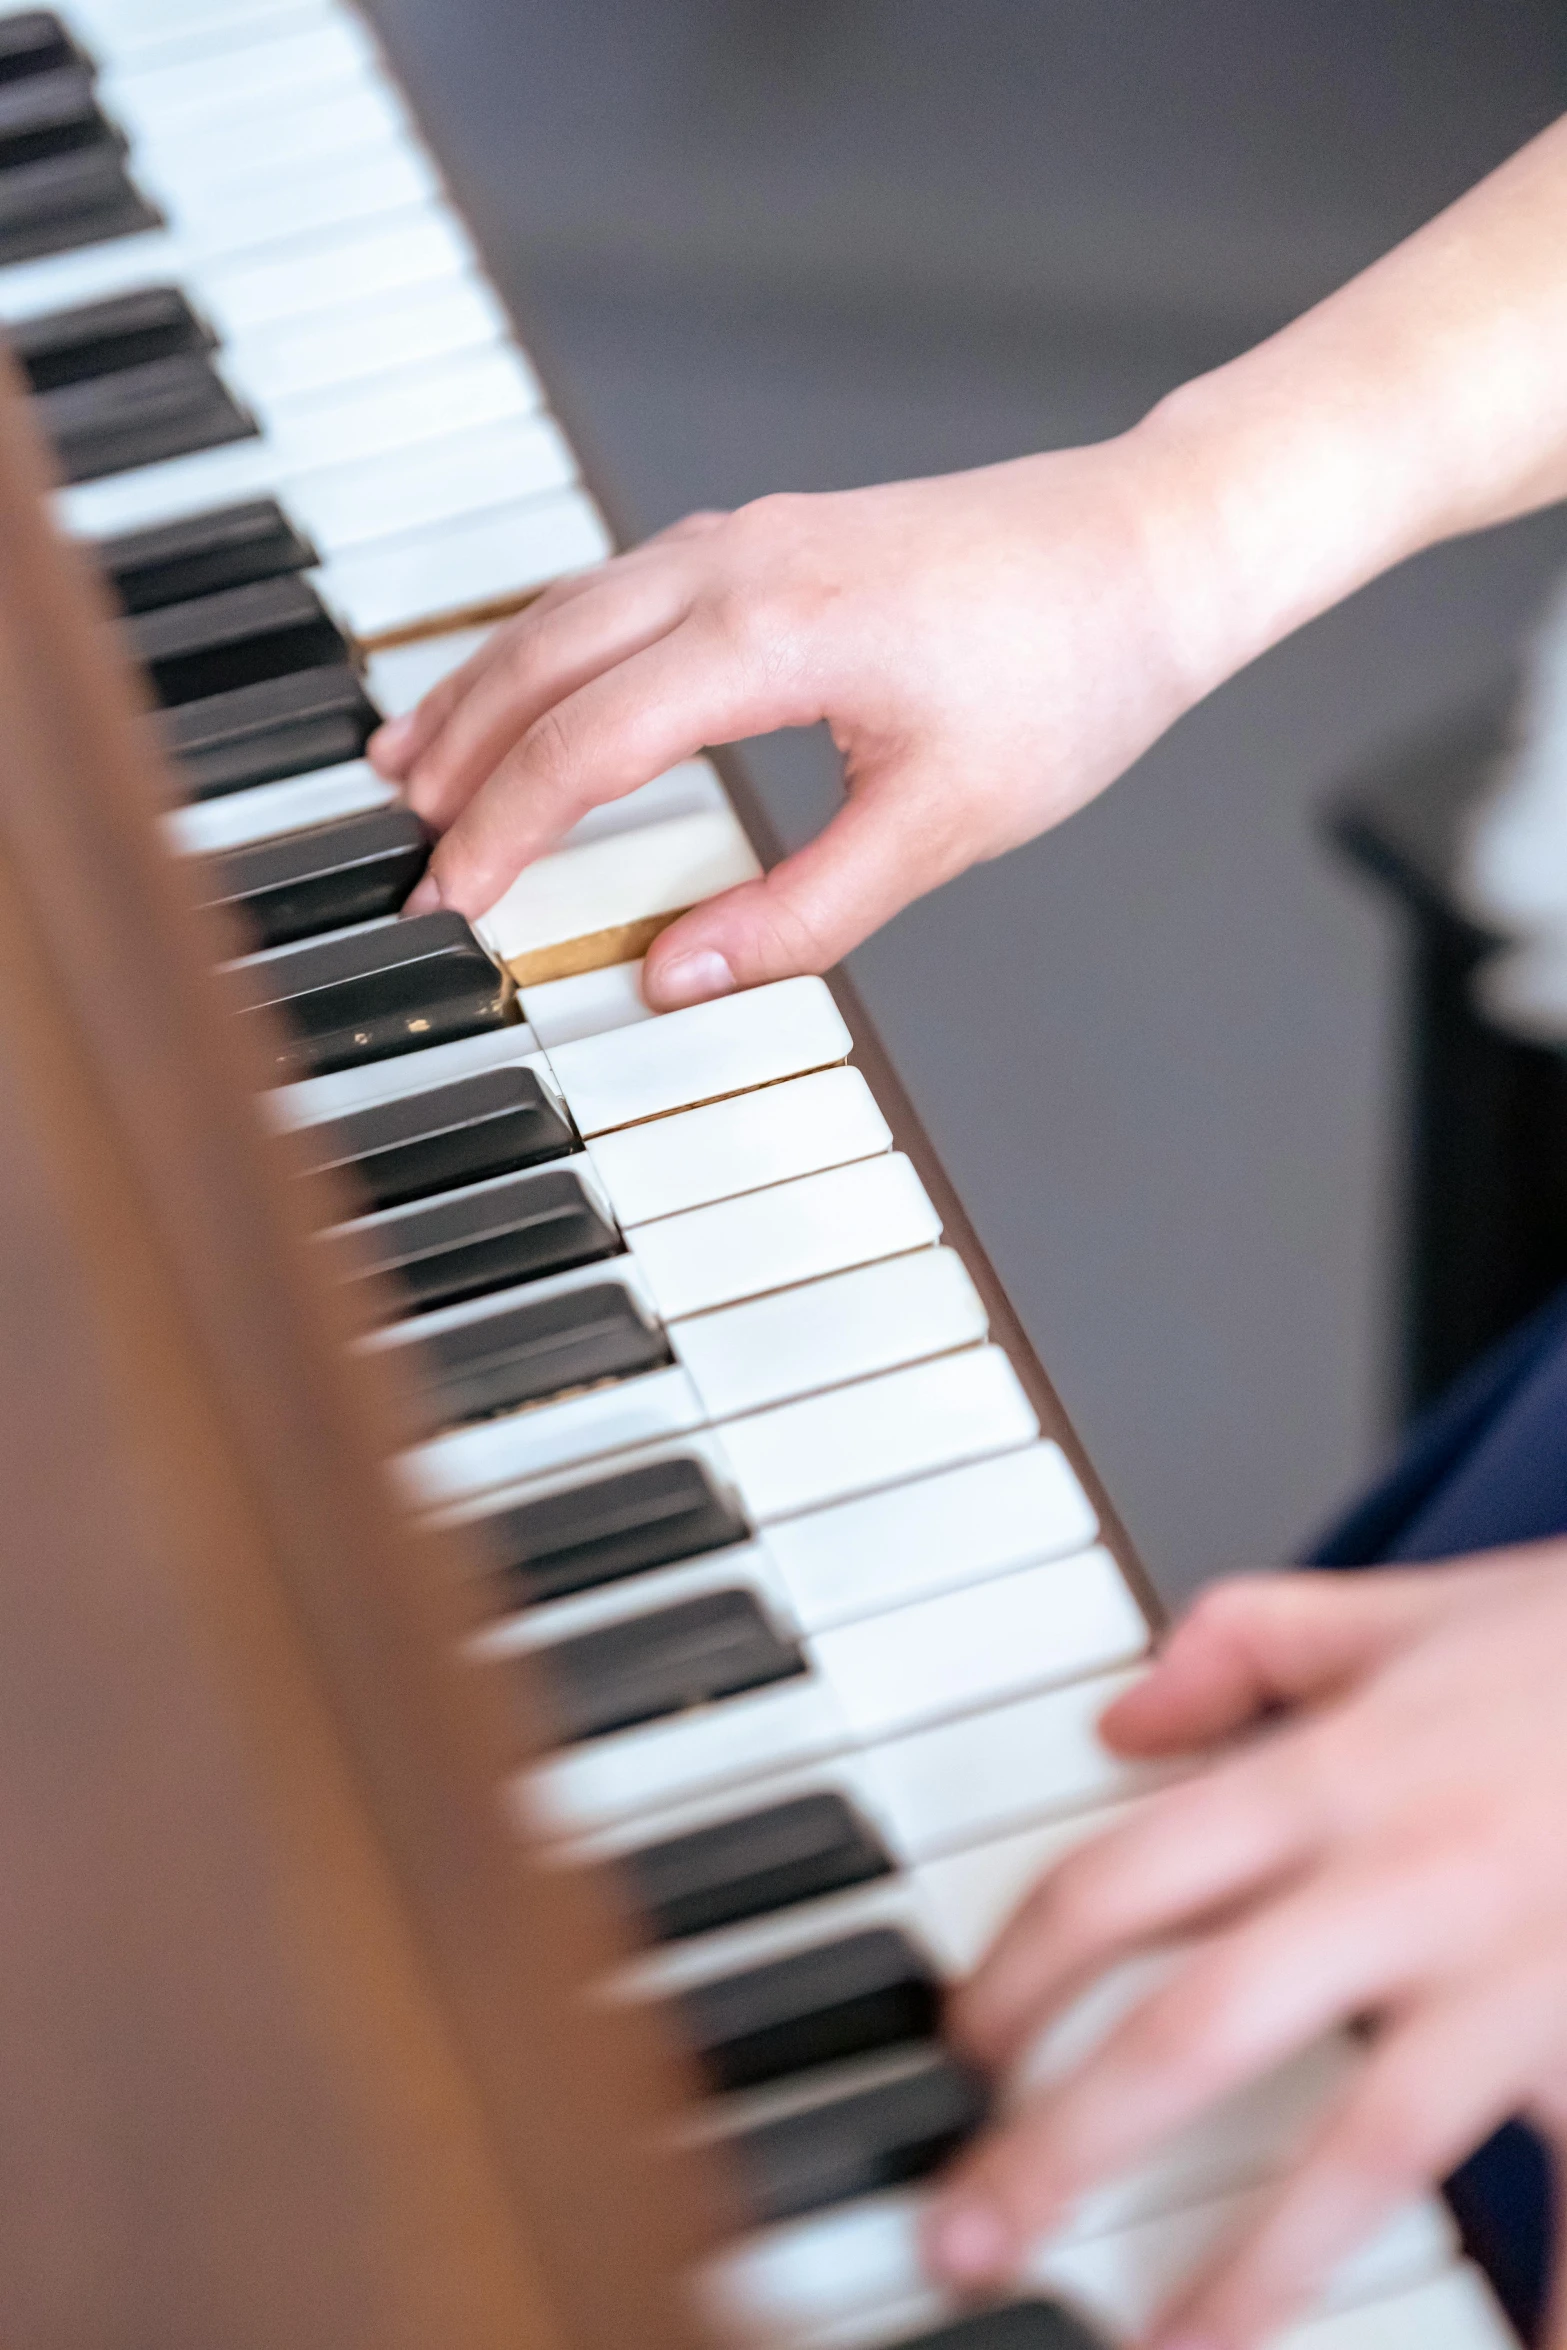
<point>253,677</point>
<point>63,176</point>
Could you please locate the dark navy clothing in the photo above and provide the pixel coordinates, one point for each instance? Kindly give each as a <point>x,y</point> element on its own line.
<point>1484,1467</point>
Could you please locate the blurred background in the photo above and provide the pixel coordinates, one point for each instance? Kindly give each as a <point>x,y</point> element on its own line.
<point>763,244</point>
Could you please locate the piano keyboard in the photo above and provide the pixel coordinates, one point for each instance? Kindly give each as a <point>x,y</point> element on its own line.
<point>828,1615</point>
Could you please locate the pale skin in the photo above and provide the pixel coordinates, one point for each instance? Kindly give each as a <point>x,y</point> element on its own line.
<point>990,651</point>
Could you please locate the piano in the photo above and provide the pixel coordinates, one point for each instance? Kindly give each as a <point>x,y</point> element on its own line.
<point>754,1468</point>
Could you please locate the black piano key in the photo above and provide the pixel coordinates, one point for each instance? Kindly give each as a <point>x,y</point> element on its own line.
<point>203,554</point>
<point>368,994</point>
<point>306,883</point>
<point>1016,2325</point>
<point>493,1123</point>
<point>718,1645</point>
<point>100,338</point>
<point>470,1242</point>
<point>599,1533</point>
<point>56,203</point>
<point>34,41</point>
<point>53,113</point>
<point>262,733</point>
<point>545,1346</point>
<point>842,1999</point>
<point>239,636</point>
<point>857,2144</point>
<point>140,416</point>
<point>748,1867</point>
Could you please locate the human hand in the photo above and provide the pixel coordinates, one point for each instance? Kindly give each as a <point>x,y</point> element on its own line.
<point>1392,1850</point>
<point>990,649</point>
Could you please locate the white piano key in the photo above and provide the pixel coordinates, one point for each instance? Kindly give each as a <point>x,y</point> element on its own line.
<point>983,1645</point>
<point>854,2276</point>
<point>310,1099</point>
<point>851,1326</point>
<point>119,31</point>
<point>59,281</point>
<point>197,165</point>
<point>790,1233</point>
<point>427,400</point>
<point>208,827</point>
<point>744,1566</point>
<point>431,483</point>
<point>468,566</point>
<point>1456,2311</point>
<point>308,202</point>
<point>965,1897</point>
<point>616,883</point>
<point>366,337</point>
<point>801,1127</point>
<point>562,1010</point>
<point>940,1789</point>
<point>691,789</point>
<point>432,451</point>
<point>698,1055</point>
<point>801,1456</point>
<point>933,1535</point>
<point>400,679</point>
<point>927,1792</point>
<point>549,1436</point>
<point>661,1763</point>
<point>153,95</point>
<point>397,1337</point>
<point>424,243</point>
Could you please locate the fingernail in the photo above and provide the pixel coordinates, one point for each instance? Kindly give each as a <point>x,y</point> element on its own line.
<point>692,980</point>
<point>388,742</point>
<point>969,2242</point>
<point>426,898</point>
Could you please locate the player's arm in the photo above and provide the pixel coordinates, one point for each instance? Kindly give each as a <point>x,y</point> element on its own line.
<point>991,649</point>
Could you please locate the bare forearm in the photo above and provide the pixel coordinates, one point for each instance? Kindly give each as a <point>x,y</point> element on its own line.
<point>1425,399</point>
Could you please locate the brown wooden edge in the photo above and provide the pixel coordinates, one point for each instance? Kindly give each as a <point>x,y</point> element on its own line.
<point>201,1248</point>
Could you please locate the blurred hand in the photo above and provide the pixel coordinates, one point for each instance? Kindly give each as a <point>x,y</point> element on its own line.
<point>1391,1849</point>
<point>989,651</point>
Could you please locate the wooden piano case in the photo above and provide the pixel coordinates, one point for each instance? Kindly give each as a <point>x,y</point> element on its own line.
<point>291,2044</point>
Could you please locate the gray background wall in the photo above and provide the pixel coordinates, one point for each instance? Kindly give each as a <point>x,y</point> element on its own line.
<point>804,243</point>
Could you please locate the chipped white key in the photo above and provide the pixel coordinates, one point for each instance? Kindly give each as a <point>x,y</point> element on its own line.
<point>465,568</point>
<point>827,1333</point>
<point>744,1144</point>
<point>801,1456</point>
<point>603,899</point>
<point>562,1010</point>
<point>701,1054</point>
<point>932,1535</point>
<point>208,827</point>
<point>788,1233</point>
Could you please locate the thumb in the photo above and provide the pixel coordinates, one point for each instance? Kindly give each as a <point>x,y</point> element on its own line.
<point>869,862</point>
<point>1261,1642</point>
